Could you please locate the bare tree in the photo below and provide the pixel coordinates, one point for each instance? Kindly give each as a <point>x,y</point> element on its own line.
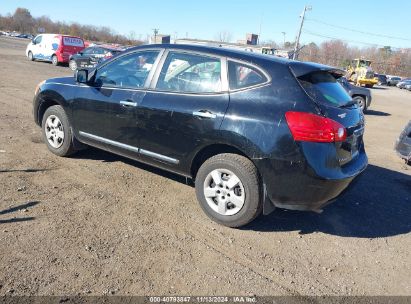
<point>224,36</point>
<point>23,19</point>
<point>385,60</point>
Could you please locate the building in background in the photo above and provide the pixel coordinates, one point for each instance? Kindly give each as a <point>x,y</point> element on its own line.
<point>252,39</point>
<point>160,39</point>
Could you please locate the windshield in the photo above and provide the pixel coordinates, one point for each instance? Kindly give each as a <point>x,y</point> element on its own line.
<point>325,89</point>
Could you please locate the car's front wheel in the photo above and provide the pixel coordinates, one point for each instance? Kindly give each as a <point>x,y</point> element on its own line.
<point>73,65</point>
<point>30,56</point>
<point>361,102</point>
<point>228,189</point>
<point>57,131</point>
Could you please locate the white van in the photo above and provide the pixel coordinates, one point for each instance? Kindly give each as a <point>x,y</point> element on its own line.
<point>55,48</point>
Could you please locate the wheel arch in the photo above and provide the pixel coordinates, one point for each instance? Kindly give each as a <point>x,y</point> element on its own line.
<point>46,101</point>
<point>359,95</point>
<point>209,151</point>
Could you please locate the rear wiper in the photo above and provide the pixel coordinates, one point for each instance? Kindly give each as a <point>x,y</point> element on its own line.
<point>348,104</point>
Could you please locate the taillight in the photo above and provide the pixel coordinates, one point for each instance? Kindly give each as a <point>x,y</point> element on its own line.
<point>314,128</point>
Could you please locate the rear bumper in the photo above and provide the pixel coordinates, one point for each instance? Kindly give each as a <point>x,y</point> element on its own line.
<point>296,186</point>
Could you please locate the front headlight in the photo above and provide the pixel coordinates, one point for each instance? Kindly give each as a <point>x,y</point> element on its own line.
<point>38,87</point>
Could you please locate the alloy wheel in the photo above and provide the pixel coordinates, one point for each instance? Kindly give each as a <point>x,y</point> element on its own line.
<point>224,192</point>
<point>73,65</point>
<point>360,102</point>
<point>54,131</point>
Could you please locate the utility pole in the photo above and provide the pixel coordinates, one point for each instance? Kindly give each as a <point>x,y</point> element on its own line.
<point>155,34</point>
<point>283,38</point>
<point>297,40</point>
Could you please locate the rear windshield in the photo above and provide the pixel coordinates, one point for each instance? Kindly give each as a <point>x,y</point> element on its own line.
<point>73,41</point>
<point>324,88</point>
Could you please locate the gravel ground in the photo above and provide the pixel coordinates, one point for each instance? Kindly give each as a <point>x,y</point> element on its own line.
<point>99,224</point>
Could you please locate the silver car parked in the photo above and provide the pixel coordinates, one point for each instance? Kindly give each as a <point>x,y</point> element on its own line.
<point>403,83</point>
<point>393,80</point>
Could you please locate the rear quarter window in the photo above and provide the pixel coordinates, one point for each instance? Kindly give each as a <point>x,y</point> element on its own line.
<point>324,88</point>
<point>243,76</point>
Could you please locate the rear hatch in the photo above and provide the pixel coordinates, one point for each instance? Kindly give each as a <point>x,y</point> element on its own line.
<point>320,84</point>
<point>72,45</point>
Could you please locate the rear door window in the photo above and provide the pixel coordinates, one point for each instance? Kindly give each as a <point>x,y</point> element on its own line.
<point>325,89</point>
<point>190,73</point>
<point>243,76</point>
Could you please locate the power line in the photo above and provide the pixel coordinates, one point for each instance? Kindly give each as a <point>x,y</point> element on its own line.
<point>345,40</point>
<point>358,31</point>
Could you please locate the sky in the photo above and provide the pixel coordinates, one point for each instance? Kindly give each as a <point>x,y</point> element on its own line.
<point>353,21</point>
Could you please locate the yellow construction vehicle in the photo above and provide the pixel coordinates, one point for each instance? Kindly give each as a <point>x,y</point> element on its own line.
<point>360,73</point>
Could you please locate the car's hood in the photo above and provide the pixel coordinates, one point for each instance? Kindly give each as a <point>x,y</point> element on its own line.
<point>62,80</point>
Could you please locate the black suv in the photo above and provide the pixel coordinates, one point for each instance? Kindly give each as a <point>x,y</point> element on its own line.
<point>91,56</point>
<point>253,131</point>
<point>359,94</point>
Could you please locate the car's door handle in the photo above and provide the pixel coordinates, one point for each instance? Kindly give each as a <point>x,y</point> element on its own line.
<point>204,114</point>
<point>126,103</point>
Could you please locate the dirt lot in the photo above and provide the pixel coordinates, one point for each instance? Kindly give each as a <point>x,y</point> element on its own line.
<point>101,224</point>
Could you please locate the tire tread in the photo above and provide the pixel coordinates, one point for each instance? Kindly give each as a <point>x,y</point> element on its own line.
<point>250,172</point>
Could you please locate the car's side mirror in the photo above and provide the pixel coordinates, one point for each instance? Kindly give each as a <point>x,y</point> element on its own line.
<point>33,41</point>
<point>82,76</point>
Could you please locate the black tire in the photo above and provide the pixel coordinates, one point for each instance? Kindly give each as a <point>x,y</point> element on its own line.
<point>361,102</point>
<point>73,65</point>
<point>67,147</point>
<point>247,173</point>
<point>54,60</point>
<point>30,56</point>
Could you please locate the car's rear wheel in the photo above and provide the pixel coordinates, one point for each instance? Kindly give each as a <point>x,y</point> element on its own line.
<point>228,189</point>
<point>57,131</point>
<point>54,60</point>
<point>73,65</point>
<point>30,56</point>
<point>361,102</point>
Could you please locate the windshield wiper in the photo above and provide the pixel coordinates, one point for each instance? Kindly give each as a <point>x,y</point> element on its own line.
<point>349,104</point>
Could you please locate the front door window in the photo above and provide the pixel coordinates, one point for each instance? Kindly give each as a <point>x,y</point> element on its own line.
<point>129,71</point>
